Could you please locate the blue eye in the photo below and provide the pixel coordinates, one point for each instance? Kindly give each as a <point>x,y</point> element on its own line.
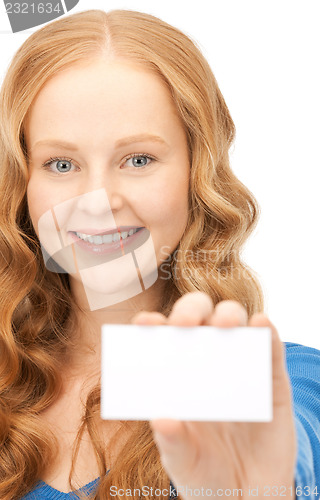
<point>139,161</point>
<point>63,165</point>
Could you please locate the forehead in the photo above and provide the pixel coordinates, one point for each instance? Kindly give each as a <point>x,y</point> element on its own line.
<point>109,95</point>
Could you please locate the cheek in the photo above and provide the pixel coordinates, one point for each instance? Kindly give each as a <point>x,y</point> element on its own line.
<point>38,202</point>
<point>175,201</point>
<point>165,205</point>
<point>47,199</point>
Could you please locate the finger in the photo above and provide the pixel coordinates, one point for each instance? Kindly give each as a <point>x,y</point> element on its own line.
<point>149,318</point>
<point>178,453</point>
<point>280,377</point>
<point>191,309</point>
<point>229,313</point>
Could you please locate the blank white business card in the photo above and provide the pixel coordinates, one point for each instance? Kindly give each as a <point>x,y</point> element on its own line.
<point>186,373</point>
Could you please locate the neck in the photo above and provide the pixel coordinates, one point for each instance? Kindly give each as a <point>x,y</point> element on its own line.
<point>87,355</point>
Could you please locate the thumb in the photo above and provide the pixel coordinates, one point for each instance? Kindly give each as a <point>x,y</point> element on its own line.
<point>281,380</point>
<point>177,453</point>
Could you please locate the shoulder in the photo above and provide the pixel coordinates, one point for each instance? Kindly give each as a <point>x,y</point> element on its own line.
<point>303,361</point>
<point>303,366</point>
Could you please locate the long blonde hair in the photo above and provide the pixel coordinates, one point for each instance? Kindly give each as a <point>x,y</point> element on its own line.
<point>37,308</point>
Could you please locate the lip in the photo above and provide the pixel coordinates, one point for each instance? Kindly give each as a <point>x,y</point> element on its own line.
<point>95,231</point>
<point>105,248</point>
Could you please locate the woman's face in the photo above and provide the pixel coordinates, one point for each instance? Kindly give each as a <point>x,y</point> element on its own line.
<point>108,154</point>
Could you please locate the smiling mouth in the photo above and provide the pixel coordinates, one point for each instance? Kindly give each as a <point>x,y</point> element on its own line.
<point>101,239</point>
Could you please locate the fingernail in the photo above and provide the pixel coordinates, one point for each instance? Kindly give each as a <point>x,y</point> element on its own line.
<point>168,438</point>
<point>243,318</point>
<point>141,320</point>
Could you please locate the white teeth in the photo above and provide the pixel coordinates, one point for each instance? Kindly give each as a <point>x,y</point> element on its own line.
<point>106,238</point>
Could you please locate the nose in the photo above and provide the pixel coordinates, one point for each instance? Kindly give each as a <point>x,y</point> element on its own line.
<point>99,198</point>
<point>94,202</point>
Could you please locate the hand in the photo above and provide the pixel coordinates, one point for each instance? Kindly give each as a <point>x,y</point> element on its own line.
<point>228,455</point>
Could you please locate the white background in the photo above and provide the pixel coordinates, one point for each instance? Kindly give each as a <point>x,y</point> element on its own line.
<point>265,56</point>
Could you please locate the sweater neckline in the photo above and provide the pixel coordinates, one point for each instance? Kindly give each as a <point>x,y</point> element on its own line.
<point>52,493</point>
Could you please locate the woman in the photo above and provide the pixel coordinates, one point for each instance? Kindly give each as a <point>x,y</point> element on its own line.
<point>113,122</point>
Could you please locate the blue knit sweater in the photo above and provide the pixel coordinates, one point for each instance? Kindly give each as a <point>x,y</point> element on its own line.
<point>303,365</point>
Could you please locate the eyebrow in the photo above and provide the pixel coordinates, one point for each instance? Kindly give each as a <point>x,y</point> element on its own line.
<point>119,144</point>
